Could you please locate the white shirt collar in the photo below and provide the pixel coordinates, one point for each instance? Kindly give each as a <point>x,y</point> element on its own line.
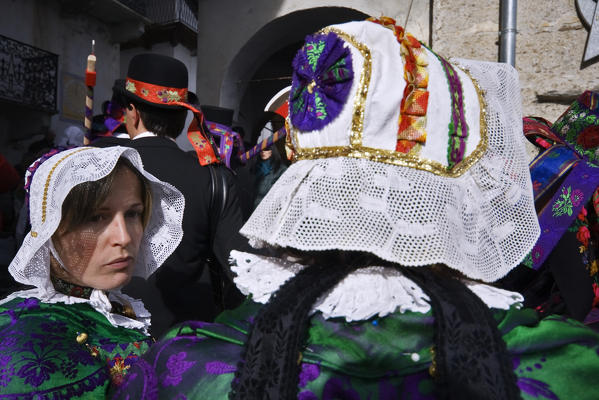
<point>145,134</point>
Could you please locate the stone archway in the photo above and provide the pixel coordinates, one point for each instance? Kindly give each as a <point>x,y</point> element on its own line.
<point>263,64</point>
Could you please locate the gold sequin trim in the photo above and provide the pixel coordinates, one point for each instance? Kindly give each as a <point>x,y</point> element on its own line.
<point>410,160</point>
<point>432,369</point>
<point>47,185</point>
<point>360,100</point>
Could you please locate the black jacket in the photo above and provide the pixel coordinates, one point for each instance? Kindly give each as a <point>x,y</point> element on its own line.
<point>186,293</point>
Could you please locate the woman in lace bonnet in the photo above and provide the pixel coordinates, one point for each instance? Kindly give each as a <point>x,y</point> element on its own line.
<point>97,219</point>
<point>409,193</point>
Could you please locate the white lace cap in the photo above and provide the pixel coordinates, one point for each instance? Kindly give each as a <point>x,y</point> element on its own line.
<point>352,191</point>
<point>51,183</point>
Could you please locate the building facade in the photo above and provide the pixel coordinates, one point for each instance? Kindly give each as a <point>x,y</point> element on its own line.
<point>239,52</point>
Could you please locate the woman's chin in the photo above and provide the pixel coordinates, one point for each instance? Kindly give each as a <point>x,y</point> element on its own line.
<point>115,282</point>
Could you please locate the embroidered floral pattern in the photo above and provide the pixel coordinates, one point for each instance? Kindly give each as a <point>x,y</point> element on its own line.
<point>156,93</point>
<point>313,51</point>
<point>587,236</point>
<point>308,373</point>
<point>576,197</point>
<point>70,289</point>
<point>579,125</point>
<point>322,77</point>
<point>176,365</point>
<point>168,96</point>
<point>563,205</point>
<point>130,86</point>
<point>29,304</point>
<point>536,253</point>
<point>219,368</point>
<point>41,355</point>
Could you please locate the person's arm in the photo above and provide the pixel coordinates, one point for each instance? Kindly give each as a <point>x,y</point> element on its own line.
<point>226,232</point>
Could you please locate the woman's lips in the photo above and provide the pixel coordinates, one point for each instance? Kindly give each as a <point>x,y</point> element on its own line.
<point>120,263</point>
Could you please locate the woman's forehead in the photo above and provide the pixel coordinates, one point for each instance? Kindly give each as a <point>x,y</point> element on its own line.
<point>125,188</point>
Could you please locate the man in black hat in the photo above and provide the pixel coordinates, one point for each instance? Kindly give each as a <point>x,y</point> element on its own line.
<point>156,101</point>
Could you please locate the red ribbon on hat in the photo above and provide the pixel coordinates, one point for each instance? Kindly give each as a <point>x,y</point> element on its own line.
<point>155,93</point>
<point>412,118</point>
<point>202,142</point>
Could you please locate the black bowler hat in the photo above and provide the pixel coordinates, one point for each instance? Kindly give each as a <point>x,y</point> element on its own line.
<point>156,80</point>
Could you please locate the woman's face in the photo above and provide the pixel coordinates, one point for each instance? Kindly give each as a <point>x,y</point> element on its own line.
<point>101,252</point>
<point>265,154</point>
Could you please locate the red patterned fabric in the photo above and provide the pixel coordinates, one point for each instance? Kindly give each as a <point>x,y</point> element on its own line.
<point>155,93</point>
<point>201,141</point>
<point>412,118</point>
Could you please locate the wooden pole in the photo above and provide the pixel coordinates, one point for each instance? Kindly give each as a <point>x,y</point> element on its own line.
<point>90,82</point>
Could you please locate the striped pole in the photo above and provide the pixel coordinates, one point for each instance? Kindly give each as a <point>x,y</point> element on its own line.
<point>90,82</point>
<point>266,143</point>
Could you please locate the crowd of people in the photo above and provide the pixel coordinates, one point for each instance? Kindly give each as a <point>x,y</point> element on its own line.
<point>411,250</point>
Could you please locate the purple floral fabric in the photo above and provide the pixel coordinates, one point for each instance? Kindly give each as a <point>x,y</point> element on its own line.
<point>41,358</point>
<point>556,358</point>
<point>321,81</point>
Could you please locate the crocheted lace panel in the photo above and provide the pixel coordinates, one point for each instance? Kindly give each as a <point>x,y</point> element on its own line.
<point>363,294</point>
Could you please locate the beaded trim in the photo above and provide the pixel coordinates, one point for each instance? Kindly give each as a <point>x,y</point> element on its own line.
<point>357,150</point>
<point>70,289</point>
<point>47,185</point>
<point>458,128</point>
<point>412,117</point>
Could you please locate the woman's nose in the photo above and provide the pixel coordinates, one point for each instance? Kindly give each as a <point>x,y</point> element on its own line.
<point>119,231</point>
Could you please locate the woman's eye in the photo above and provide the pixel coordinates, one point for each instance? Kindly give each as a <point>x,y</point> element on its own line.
<point>133,214</point>
<point>97,218</point>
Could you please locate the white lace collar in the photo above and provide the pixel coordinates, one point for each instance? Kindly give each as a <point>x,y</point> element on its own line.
<point>99,302</point>
<point>361,295</point>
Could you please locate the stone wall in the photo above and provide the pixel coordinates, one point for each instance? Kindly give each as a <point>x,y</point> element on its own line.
<point>44,24</point>
<point>226,26</point>
<point>549,47</point>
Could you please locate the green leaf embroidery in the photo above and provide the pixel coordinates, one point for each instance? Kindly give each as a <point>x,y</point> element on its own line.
<point>321,109</point>
<point>313,52</point>
<point>563,205</point>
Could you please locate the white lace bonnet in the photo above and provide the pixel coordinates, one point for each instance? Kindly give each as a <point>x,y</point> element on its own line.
<point>55,178</point>
<point>354,186</point>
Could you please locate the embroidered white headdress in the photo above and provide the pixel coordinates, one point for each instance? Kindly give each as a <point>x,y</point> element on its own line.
<point>403,155</point>
<point>51,183</point>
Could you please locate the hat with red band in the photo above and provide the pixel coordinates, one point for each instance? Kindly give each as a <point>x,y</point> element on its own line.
<point>161,81</point>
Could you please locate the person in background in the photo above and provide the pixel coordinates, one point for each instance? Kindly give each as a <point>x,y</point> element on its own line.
<point>9,182</point>
<point>267,168</point>
<point>155,100</point>
<point>72,136</point>
<point>97,219</point>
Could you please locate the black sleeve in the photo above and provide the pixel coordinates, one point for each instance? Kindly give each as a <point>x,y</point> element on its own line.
<point>228,223</point>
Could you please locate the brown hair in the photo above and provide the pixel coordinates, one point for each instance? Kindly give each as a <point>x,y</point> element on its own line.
<point>85,198</point>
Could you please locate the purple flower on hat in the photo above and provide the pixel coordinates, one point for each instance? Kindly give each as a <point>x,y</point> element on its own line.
<point>322,79</point>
